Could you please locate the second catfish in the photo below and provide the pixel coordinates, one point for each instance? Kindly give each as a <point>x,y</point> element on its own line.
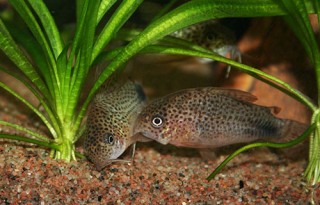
<point>212,117</point>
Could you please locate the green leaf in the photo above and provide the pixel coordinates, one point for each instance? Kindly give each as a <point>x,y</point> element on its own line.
<point>269,79</point>
<point>23,129</point>
<point>79,8</point>
<point>32,47</point>
<point>29,140</point>
<point>120,16</point>
<point>24,11</point>
<point>34,109</point>
<point>13,52</point>
<point>82,10</point>
<point>298,20</point>
<point>49,26</point>
<point>105,5</point>
<point>84,58</point>
<point>46,105</point>
<point>62,63</point>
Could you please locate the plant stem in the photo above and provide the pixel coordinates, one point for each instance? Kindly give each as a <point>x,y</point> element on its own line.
<point>66,151</point>
<point>312,172</point>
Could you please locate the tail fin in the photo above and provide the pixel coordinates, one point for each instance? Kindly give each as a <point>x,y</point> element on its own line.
<point>291,129</point>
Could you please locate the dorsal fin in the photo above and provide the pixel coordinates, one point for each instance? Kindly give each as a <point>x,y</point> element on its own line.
<point>238,94</point>
<point>274,109</point>
<point>246,97</point>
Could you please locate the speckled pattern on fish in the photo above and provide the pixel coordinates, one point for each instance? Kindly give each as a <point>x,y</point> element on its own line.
<point>110,121</point>
<point>213,36</point>
<point>212,117</point>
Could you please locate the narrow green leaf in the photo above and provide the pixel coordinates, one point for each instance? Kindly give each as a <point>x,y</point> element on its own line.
<point>23,129</point>
<point>32,47</point>
<point>105,5</point>
<point>62,63</point>
<point>75,86</point>
<point>75,74</point>
<point>84,59</point>
<point>80,4</point>
<point>120,16</point>
<point>49,26</point>
<point>34,109</point>
<point>24,11</point>
<point>13,52</point>
<point>29,140</point>
<point>47,105</point>
<point>298,19</point>
<point>82,10</point>
<point>271,80</point>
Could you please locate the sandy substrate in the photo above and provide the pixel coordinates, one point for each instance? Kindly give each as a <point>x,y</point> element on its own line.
<point>158,175</point>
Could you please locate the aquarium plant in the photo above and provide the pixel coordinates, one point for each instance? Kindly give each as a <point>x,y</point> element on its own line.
<point>55,70</point>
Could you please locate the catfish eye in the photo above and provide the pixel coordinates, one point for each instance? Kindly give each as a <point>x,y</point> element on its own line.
<point>109,138</point>
<point>157,121</point>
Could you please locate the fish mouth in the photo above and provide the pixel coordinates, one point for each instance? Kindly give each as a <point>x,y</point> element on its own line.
<point>118,149</point>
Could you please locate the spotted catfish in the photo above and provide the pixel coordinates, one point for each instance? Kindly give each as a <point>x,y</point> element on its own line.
<point>213,36</point>
<point>212,117</point>
<point>110,122</point>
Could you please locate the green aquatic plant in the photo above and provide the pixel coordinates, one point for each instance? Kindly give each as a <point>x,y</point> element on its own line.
<point>56,71</point>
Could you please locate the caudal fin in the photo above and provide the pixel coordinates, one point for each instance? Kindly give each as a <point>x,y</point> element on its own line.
<point>291,130</point>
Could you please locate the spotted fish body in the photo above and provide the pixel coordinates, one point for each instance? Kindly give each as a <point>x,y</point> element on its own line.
<point>212,117</point>
<point>213,36</point>
<point>110,122</point>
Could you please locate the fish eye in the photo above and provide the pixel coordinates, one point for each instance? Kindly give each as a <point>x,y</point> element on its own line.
<point>157,121</point>
<point>109,138</point>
